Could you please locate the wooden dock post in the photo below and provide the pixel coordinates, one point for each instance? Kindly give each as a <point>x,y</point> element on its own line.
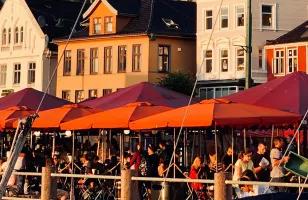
<point>126,183</point>
<point>48,185</point>
<point>221,190</point>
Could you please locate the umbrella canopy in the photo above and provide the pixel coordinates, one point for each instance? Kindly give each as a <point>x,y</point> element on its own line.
<point>52,118</point>
<point>31,98</point>
<point>221,112</point>
<point>142,92</point>
<point>289,93</point>
<point>114,118</point>
<point>13,114</point>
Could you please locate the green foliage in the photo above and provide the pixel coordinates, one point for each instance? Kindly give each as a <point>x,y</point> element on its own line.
<point>179,82</point>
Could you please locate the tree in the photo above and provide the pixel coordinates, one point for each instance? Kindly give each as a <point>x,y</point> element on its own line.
<point>179,82</point>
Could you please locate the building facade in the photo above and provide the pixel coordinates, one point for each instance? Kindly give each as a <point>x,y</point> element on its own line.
<point>221,60</point>
<point>124,43</point>
<point>288,53</point>
<point>27,59</point>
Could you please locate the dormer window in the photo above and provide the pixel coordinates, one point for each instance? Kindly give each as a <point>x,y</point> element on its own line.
<point>4,37</point>
<point>108,24</point>
<point>97,22</point>
<point>170,23</point>
<point>16,35</point>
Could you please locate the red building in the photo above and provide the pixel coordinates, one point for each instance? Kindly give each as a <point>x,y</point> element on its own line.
<point>288,53</point>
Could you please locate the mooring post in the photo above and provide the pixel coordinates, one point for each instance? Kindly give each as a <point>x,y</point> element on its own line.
<point>126,183</point>
<point>48,187</point>
<point>222,191</point>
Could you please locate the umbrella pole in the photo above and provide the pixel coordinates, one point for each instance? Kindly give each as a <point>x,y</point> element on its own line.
<point>216,147</point>
<point>109,149</point>
<point>185,148</point>
<point>53,143</point>
<point>298,152</point>
<point>245,144</point>
<point>72,172</point>
<point>232,146</point>
<point>272,138</point>
<point>31,140</point>
<point>174,152</point>
<point>98,142</point>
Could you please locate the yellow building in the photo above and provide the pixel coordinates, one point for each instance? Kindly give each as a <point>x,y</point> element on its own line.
<point>124,43</point>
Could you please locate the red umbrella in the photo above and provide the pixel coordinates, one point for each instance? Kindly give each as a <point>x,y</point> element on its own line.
<point>11,114</point>
<point>142,92</point>
<point>289,93</point>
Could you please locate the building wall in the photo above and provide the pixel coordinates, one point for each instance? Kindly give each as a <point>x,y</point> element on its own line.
<point>301,57</point>
<point>286,16</point>
<point>15,13</point>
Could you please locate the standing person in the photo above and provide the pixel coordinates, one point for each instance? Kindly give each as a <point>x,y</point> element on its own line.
<point>227,160</point>
<point>136,158</point>
<point>261,162</point>
<point>194,173</point>
<point>277,173</point>
<point>242,164</point>
<point>164,152</point>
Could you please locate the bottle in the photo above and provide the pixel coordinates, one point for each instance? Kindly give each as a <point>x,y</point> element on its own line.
<point>26,186</point>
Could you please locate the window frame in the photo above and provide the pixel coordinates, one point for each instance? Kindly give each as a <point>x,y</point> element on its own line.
<point>122,58</point>
<point>16,35</point>
<point>206,18</point>
<point>3,74</point>
<point>77,98</point>
<point>237,57</point>
<point>67,63</point>
<point>206,59</point>
<point>90,93</point>
<point>136,58</point>
<point>273,15</point>
<point>9,36</point>
<point>97,25</point>
<point>16,74</point>
<point>221,18</point>
<point>292,57</point>
<point>221,58</point>
<point>21,34</point>
<point>161,67</point>
<point>80,62</point>
<point>106,92</point>
<point>108,60</point>
<point>107,21</point>
<point>94,61</point>
<point>237,14</point>
<point>281,62</point>
<point>4,37</point>
<point>31,72</point>
<point>68,93</point>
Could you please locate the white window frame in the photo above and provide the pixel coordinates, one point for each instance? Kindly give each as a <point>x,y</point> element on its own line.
<point>108,25</point>
<point>207,17</point>
<point>3,71</point>
<point>18,73</point>
<point>228,18</point>
<point>207,59</point>
<point>237,15</point>
<point>238,57</point>
<point>223,58</point>
<point>294,66</point>
<point>274,18</point>
<point>97,23</point>
<point>279,70</point>
<point>31,72</point>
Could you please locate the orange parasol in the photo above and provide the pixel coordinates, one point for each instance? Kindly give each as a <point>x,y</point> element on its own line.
<point>221,112</point>
<point>52,118</point>
<point>11,114</point>
<point>114,118</point>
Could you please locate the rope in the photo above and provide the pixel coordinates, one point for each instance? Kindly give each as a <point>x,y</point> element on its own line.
<point>61,57</point>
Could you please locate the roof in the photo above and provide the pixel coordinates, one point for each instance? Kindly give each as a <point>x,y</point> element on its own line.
<point>299,34</point>
<point>55,17</point>
<point>158,17</point>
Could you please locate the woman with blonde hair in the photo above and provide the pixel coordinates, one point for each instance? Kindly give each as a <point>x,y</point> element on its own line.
<point>194,173</point>
<point>242,164</point>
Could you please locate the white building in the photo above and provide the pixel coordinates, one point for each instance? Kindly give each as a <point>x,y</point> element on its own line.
<point>27,59</point>
<point>221,61</point>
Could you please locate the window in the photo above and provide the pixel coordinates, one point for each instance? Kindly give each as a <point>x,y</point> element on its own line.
<point>267,16</point>
<point>16,35</point>
<point>224,14</point>
<point>122,59</point>
<point>240,16</point>
<point>163,58</point>
<point>17,68</point>
<point>80,62</point>
<point>240,59</point>
<point>208,19</point>
<point>108,24</point>
<point>107,60</point>
<point>92,93</point>
<point>67,62</point>
<point>4,37</point>
<point>79,96</point>
<point>292,60</point>
<point>9,36</point>
<point>260,58</point>
<point>66,95</point>
<point>136,58</point>
<point>217,92</point>
<point>97,24</point>
<point>3,69</point>
<point>279,62</point>
<point>21,34</point>
<point>208,54</point>
<point>106,91</point>
<point>31,73</point>
<point>224,60</point>
<point>93,60</point>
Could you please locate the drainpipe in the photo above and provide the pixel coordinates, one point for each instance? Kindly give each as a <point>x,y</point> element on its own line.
<point>249,47</point>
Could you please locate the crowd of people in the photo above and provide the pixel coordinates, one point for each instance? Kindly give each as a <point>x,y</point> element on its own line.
<point>259,165</point>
